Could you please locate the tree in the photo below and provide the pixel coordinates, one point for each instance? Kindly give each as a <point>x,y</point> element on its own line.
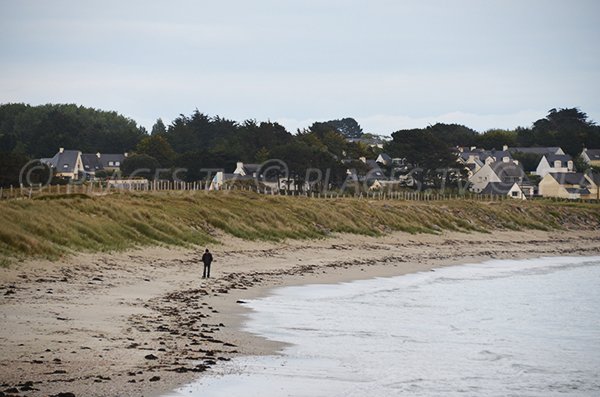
<point>430,155</point>
<point>348,127</point>
<point>140,165</point>
<point>567,128</point>
<point>158,147</point>
<point>454,134</point>
<point>38,131</point>
<point>496,139</point>
<point>158,128</point>
<point>17,168</point>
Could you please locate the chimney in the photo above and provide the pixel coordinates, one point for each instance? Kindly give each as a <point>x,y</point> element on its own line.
<point>473,148</point>
<point>363,159</point>
<point>98,154</point>
<point>125,154</point>
<point>505,148</point>
<point>61,150</point>
<point>516,162</point>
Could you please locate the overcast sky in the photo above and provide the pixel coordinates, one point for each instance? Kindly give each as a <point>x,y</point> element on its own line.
<point>389,64</point>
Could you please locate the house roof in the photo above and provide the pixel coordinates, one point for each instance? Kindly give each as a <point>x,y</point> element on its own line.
<point>593,154</point>
<point>498,188</point>
<point>91,163</point>
<point>64,161</point>
<point>251,168</point>
<point>570,178</point>
<point>385,157</point>
<point>508,170</point>
<point>105,159</point>
<point>563,158</point>
<point>535,150</point>
<point>595,177</point>
<point>575,190</point>
<point>374,169</point>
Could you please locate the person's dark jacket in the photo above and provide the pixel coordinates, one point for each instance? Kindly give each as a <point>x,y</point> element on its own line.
<point>207,258</point>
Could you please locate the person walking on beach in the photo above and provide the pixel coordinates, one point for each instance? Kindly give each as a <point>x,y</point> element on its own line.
<point>207,260</point>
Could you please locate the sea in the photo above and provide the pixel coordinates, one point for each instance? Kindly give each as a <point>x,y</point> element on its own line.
<point>498,328</point>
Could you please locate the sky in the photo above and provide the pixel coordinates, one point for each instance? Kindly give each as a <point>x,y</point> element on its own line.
<point>389,64</point>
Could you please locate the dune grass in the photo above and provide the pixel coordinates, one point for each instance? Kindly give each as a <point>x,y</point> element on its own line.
<point>55,226</point>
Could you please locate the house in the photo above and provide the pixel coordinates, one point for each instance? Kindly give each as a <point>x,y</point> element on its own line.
<point>384,159</point>
<point>111,162</point>
<point>591,156</point>
<point>91,164</point>
<point>510,189</point>
<point>569,185</point>
<point>247,169</point>
<point>500,171</point>
<point>556,163</point>
<point>65,163</point>
<point>474,159</point>
<point>220,179</point>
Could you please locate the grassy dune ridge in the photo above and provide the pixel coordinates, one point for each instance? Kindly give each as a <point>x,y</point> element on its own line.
<point>55,226</point>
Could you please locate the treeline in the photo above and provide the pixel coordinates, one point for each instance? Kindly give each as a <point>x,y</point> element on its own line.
<point>569,129</point>
<point>199,142</point>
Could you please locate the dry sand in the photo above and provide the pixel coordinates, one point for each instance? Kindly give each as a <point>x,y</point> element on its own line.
<point>143,322</point>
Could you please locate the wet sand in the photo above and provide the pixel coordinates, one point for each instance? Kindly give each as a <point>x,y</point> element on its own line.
<point>141,323</point>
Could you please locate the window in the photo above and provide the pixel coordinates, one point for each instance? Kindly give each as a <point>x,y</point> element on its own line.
<point>117,163</point>
<point>66,166</point>
<point>515,194</point>
<point>110,164</point>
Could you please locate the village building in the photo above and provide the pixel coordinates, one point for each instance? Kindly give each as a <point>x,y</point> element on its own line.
<point>556,163</point>
<point>247,169</point>
<point>65,164</point>
<point>591,157</point>
<point>72,164</point>
<point>510,189</point>
<point>500,171</point>
<point>570,185</point>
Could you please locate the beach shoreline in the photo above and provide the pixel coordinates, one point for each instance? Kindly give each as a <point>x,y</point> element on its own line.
<point>143,322</point>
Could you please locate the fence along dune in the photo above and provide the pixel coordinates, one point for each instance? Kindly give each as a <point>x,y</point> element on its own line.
<point>54,226</point>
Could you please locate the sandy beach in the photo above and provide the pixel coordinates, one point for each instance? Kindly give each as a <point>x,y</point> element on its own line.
<point>142,322</point>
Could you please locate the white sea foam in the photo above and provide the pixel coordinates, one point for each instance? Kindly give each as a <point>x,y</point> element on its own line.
<point>500,328</point>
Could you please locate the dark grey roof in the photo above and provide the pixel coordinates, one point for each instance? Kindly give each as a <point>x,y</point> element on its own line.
<point>508,171</point>
<point>91,163</point>
<point>535,150</point>
<point>570,178</point>
<point>593,154</point>
<point>563,158</point>
<point>385,157</point>
<point>64,161</point>
<point>374,169</point>
<point>595,177</point>
<point>498,188</point>
<point>237,177</point>
<point>575,190</point>
<point>251,168</point>
<point>105,159</point>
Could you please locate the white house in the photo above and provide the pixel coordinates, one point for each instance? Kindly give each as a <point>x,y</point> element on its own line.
<point>510,189</point>
<point>569,185</point>
<point>498,171</point>
<point>557,163</point>
<point>65,163</point>
<point>591,156</point>
<point>247,169</point>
